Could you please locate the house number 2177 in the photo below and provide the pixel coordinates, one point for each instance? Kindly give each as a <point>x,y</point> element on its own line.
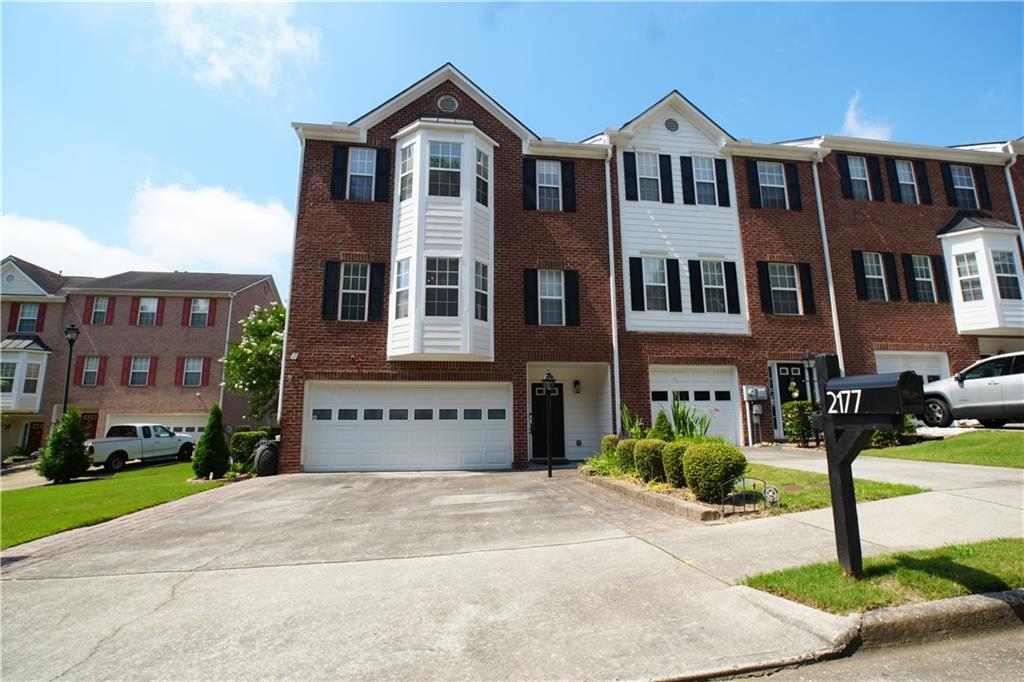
<point>841,401</point>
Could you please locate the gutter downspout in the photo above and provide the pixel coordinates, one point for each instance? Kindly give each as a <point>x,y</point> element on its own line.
<point>611,280</point>
<point>828,259</point>
<point>1009,185</point>
<point>288,309</point>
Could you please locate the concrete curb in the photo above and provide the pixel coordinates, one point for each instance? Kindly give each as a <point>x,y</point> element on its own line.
<point>16,468</point>
<point>673,505</point>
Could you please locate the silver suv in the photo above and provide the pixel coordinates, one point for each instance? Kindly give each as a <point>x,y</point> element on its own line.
<point>990,390</point>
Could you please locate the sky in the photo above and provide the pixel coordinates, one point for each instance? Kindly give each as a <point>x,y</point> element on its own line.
<point>158,137</point>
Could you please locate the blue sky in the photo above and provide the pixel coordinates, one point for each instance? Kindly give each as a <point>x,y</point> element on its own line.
<point>157,136</point>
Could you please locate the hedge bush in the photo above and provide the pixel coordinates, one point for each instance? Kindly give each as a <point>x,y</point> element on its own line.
<point>796,421</point>
<point>243,443</point>
<point>709,465</point>
<point>608,444</point>
<point>624,453</point>
<point>647,455</point>
<point>211,455</point>
<point>662,429</point>
<point>64,456</point>
<point>672,460</point>
<point>887,438</point>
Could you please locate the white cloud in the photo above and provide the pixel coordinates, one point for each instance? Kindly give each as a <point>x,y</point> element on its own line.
<point>855,125</point>
<point>227,43</point>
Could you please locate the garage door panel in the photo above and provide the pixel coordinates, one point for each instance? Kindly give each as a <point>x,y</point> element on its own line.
<point>930,365</point>
<point>716,383</point>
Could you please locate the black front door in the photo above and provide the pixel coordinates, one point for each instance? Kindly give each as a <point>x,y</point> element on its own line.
<point>791,382</point>
<point>539,422</point>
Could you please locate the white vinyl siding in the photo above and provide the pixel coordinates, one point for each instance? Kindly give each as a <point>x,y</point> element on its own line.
<point>785,288</point>
<point>874,277</point>
<point>963,186</point>
<point>362,164</point>
<point>355,288</point>
<point>772,178</point>
<point>704,179</point>
<point>648,176</point>
<point>970,279</point>
<point>923,280</point>
<point>859,182</point>
<point>655,284</point>
<point>907,181</point>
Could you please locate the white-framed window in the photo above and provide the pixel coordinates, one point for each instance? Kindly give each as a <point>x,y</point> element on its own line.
<point>445,177</point>
<point>442,287</point>
<point>91,370</point>
<point>655,284</point>
<point>970,279</point>
<point>7,372</point>
<point>924,283</point>
<point>713,279</point>
<point>362,165</point>
<point>193,372</point>
<point>31,383</point>
<point>100,305</point>
<point>28,317</point>
<point>147,312</point>
<point>1006,275</point>
<point>402,289</point>
<point>139,375</point>
<point>648,174</point>
<point>771,176</point>
<point>549,185</point>
<point>405,171</point>
<point>874,277</point>
<point>551,295</point>
<point>785,287</point>
<point>480,284</point>
<point>483,176</point>
<point>355,288</point>
<point>907,181</point>
<point>704,178</point>
<point>859,182</point>
<point>200,312</point>
<point>963,186</point>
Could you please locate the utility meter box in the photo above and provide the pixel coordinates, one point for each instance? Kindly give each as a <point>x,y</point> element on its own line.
<point>753,394</point>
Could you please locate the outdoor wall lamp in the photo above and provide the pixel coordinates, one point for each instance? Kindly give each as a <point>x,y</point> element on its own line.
<point>576,386</point>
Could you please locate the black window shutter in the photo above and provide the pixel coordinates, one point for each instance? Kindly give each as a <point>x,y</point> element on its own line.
<point>629,167</point>
<point>941,282</point>
<point>858,275</point>
<point>732,289</point>
<point>376,298</point>
<point>722,180</point>
<point>908,276</point>
<point>636,283</point>
<point>753,184</point>
<point>892,278</point>
<point>924,189</point>
<point>696,286</point>
<point>530,311</point>
<point>947,180</point>
<point>764,284</point>
<point>572,297</point>
<point>689,193</point>
<point>383,174</point>
<point>675,295</point>
<point>793,187</point>
<point>875,175</point>
<point>844,175</point>
<point>338,175</point>
<point>984,198</point>
<point>665,166</point>
<point>332,282</point>
<point>569,186</point>
<point>894,180</point>
<point>530,184</point>
<point>807,288</point>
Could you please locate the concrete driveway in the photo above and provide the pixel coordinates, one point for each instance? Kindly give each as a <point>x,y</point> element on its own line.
<point>470,576</point>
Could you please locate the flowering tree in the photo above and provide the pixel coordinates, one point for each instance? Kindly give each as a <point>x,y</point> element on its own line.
<point>253,365</point>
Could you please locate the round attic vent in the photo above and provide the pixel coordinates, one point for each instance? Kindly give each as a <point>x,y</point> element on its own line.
<point>9,278</point>
<point>447,104</point>
<point>671,125</point>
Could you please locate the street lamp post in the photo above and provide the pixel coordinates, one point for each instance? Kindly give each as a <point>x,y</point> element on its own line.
<point>809,362</point>
<point>71,334</point>
<point>549,386</point>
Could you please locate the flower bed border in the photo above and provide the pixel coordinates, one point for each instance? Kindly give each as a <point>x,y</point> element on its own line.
<point>694,511</point>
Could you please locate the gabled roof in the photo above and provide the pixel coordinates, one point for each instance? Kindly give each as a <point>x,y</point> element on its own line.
<point>24,342</point>
<point>972,220</point>
<point>212,282</point>
<point>47,280</point>
<point>690,110</point>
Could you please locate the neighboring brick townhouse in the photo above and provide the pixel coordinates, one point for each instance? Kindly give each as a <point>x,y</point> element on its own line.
<point>149,347</point>
<point>446,257</point>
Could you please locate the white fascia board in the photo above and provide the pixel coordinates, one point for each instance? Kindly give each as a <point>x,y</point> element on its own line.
<point>446,125</point>
<point>677,102</point>
<point>980,231</point>
<point>335,132</point>
<point>775,151</point>
<point>30,298</point>
<point>578,150</point>
<point>906,149</point>
<point>167,293</point>
<point>42,292</point>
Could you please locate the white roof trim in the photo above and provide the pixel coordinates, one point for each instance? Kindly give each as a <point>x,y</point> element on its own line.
<point>890,148</point>
<point>42,292</point>
<point>334,132</point>
<point>676,101</point>
<point>462,126</point>
<point>578,150</point>
<point>774,151</point>
<point>980,229</point>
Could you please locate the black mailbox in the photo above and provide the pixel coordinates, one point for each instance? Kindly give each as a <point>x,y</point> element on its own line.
<point>895,393</point>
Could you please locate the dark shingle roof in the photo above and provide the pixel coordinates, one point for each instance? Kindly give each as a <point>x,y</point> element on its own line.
<point>214,282</point>
<point>969,220</point>
<point>50,281</point>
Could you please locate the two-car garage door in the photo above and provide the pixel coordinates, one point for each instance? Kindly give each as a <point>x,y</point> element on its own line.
<point>406,427</point>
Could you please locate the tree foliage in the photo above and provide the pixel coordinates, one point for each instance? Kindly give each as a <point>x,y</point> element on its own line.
<point>64,456</point>
<point>211,455</point>
<point>253,365</point>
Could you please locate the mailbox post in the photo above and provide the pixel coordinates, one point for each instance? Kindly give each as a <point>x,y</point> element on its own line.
<point>851,409</point>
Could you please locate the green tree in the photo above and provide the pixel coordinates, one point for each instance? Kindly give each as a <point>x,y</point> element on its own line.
<point>64,456</point>
<point>211,454</point>
<point>253,365</point>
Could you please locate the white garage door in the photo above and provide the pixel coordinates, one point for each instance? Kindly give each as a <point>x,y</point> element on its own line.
<point>406,427</point>
<point>179,423</point>
<point>931,366</point>
<point>711,390</point>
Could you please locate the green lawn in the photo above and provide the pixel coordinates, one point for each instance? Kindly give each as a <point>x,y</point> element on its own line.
<point>988,448</point>
<point>803,490</point>
<point>893,579</point>
<point>31,513</point>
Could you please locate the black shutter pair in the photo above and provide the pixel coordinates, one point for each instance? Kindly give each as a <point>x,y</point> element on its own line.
<point>690,187</point>
<point>874,168</point>
<point>332,291</point>
<point>633,180</point>
<point>938,275</point>
<point>980,185</point>
<point>924,192</point>
<point>732,289</point>
<point>764,282</point>
<point>531,299</point>
<point>530,185</point>
<point>792,172</point>
<point>636,285</point>
<point>892,279</point>
<point>382,173</point>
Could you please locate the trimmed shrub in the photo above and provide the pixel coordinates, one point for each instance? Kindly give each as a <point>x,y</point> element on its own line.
<point>240,429</point>
<point>672,461</point>
<point>796,421</point>
<point>243,443</point>
<point>709,465</point>
<point>608,444</point>
<point>647,455</point>
<point>624,453</point>
<point>211,455</point>
<point>64,456</point>
<point>887,438</point>
<point>662,429</point>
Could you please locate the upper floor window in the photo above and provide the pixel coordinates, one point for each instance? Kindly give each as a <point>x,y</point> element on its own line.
<point>923,281</point>
<point>31,384</point>
<point>785,288</point>
<point>139,375</point>
<point>551,292</point>
<point>483,176</point>
<point>355,286</point>
<point>970,279</point>
<point>859,182</point>
<point>193,372</point>
<point>100,304</point>
<point>445,169</point>
<point>772,177</point>
<point>713,278</point>
<point>480,291</point>
<point>1006,275</point>
<point>442,287</point>
<point>655,284</point>
<point>405,172</point>
<point>402,289</point>
<point>704,179</point>
<point>874,276</point>
<point>362,164</point>
<point>648,176</point>
<point>907,181</point>
<point>147,312</point>
<point>200,312</point>
<point>7,371</point>
<point>91,370</point>
<point>28,317</point>
<point>963,186</point>
<point>549,185</point>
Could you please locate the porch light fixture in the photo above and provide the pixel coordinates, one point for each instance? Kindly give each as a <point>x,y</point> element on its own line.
<point>576,386</point>
<point>549,387</point>
<point>71,334</point>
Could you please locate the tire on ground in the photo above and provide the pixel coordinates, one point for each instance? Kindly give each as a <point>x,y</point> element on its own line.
<point>265,458</point>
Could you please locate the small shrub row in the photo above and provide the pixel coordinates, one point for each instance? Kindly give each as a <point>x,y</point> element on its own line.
<point>243,443</point>
<point>709,465</point>
<point>647,456</point>
<point>624,454</point>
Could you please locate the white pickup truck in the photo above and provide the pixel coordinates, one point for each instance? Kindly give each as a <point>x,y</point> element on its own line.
<point>138,441</point>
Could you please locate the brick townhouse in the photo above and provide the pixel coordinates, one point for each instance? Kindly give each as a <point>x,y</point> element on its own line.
<point>446,257</point>
<point>149,347</point>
